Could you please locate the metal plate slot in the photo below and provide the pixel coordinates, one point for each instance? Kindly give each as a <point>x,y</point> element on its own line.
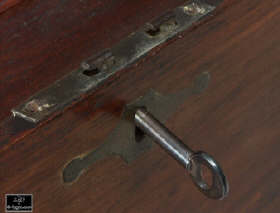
<point>94,71</point>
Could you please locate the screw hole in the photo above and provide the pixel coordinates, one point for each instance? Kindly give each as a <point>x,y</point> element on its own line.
<point>91,72</point>
<point>139,135</point>
<point>33,106</point>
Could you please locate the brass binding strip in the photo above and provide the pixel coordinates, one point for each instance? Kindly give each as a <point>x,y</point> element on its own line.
<point>93,72</point>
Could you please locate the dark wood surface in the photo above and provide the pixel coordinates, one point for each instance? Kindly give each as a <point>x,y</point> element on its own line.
<point>236,119</point>
<point>7,4</point>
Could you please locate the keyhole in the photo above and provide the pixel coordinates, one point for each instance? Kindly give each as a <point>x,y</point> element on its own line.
<point>139,135</point>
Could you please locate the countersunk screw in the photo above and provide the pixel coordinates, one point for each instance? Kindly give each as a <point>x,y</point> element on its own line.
<point>194,9</point>
<point>85,65</point>
<point>35,106</point>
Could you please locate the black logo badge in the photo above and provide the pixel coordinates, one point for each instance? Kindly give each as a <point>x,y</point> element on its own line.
<point>19,202</point>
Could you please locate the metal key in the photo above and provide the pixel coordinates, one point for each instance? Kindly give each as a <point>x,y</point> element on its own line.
<point>191,160</point>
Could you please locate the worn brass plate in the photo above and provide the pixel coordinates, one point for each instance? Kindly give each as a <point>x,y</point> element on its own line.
<point>93,72</point>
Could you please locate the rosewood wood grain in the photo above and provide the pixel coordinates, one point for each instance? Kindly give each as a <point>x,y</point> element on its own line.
<point>7,4</point>
<point>236,119</point>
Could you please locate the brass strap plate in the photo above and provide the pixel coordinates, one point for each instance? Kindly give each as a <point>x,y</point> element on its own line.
<point>93,72</point>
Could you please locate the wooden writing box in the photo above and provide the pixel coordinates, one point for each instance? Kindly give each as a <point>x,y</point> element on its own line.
<point>213,82</point>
